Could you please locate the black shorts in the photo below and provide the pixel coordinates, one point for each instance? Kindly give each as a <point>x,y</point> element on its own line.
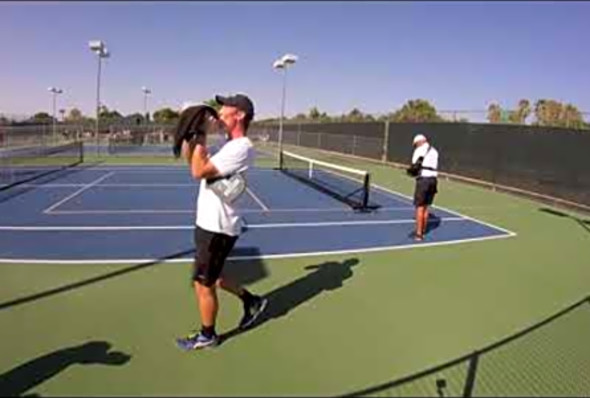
<point>426,188</point>
<point>212,250</point>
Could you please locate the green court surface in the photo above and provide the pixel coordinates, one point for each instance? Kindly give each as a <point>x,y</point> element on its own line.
<point>356,322</point>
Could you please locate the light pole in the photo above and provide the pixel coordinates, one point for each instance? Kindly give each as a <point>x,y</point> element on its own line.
<point>55,91</point>
<point>99,48</point>
<point>282,64</point>
<point>146,92</point>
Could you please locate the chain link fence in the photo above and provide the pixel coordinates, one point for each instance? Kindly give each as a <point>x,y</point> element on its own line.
<point>111,140</point>
<point>545,163</point>
<point>39,135</point>
<point>359,139</point>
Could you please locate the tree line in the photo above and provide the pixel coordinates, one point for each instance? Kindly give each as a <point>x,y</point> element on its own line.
<point>544,112</point>
<point>547,112</point>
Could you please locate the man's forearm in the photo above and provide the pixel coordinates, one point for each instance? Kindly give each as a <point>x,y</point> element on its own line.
<point>200,159</point>
<point>188,148</point>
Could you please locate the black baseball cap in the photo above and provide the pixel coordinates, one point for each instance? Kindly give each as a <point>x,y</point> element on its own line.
<point>240,101</point>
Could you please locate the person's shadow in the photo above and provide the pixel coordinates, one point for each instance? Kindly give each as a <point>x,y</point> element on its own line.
<point>325,277</point>
<point>432,223</point>
<point>17,381</point>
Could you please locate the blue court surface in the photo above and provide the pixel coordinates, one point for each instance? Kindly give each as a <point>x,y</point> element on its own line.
<point>142,213</point>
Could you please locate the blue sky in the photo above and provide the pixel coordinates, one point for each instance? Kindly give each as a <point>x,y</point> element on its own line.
<point>369,55</point>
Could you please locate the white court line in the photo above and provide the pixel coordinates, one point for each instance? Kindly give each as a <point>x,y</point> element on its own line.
<point>419,245</point>
<point>257,200</point>
<point>130,211</point>
<point>137,168</point>
<point>97,228</point>
<point>73,185</point>
<point>114,185</point>
<point>78,192</point>
<point>410,200</point>
<point>327,209</point>
<point>184,227</point>
<point>407,199</point>
<point>342,223</point>
<point>401,197</point>
<point>243,211</point>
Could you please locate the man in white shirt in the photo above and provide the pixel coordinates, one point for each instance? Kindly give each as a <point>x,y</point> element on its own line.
<point>218,225</point>
<point>426,182</point>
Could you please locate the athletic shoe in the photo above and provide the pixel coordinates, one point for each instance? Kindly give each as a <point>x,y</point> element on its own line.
<point>195,341</point>
<point>253,312</point>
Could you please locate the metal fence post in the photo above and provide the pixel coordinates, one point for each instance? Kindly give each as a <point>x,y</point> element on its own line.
<point>385,142</point>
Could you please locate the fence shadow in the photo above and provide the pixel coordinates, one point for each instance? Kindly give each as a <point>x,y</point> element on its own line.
<point>89,281</point>
<point>581,222</point>
<point>245,271</point>
<point>470,361</point>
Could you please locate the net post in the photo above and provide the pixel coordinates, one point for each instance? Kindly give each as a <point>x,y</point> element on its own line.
<point>385,142</point>
<point>366,187</point>
<point>81,146</point>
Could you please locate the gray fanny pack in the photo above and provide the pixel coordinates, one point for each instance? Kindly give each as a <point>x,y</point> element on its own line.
<point>228,188</point>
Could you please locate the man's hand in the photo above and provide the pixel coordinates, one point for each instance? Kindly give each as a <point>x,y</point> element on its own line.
<point>188,147</point>
<point>198,159</point>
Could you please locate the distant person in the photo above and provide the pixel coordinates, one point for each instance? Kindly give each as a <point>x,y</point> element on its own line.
<point>424,169</point>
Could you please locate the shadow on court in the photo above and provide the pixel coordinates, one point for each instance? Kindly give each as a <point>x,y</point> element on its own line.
<point>322,277</point>
<point>582,223</point>
<point>433,222</point>
<point>24,377</point>
<point>518,354</point>
<point>245,271</point>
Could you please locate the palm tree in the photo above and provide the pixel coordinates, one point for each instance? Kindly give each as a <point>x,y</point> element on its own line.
<point>494,113</point>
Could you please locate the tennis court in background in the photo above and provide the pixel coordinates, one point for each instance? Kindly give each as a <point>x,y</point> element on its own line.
<point>144,213</point>
<point>463,313</point>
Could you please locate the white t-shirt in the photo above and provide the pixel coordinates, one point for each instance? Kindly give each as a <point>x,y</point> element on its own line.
<point>430,159</point>
<point>213,214</point>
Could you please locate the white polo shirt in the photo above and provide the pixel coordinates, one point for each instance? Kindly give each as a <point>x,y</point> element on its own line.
<point>213,214</point>
<point>430,159</point>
